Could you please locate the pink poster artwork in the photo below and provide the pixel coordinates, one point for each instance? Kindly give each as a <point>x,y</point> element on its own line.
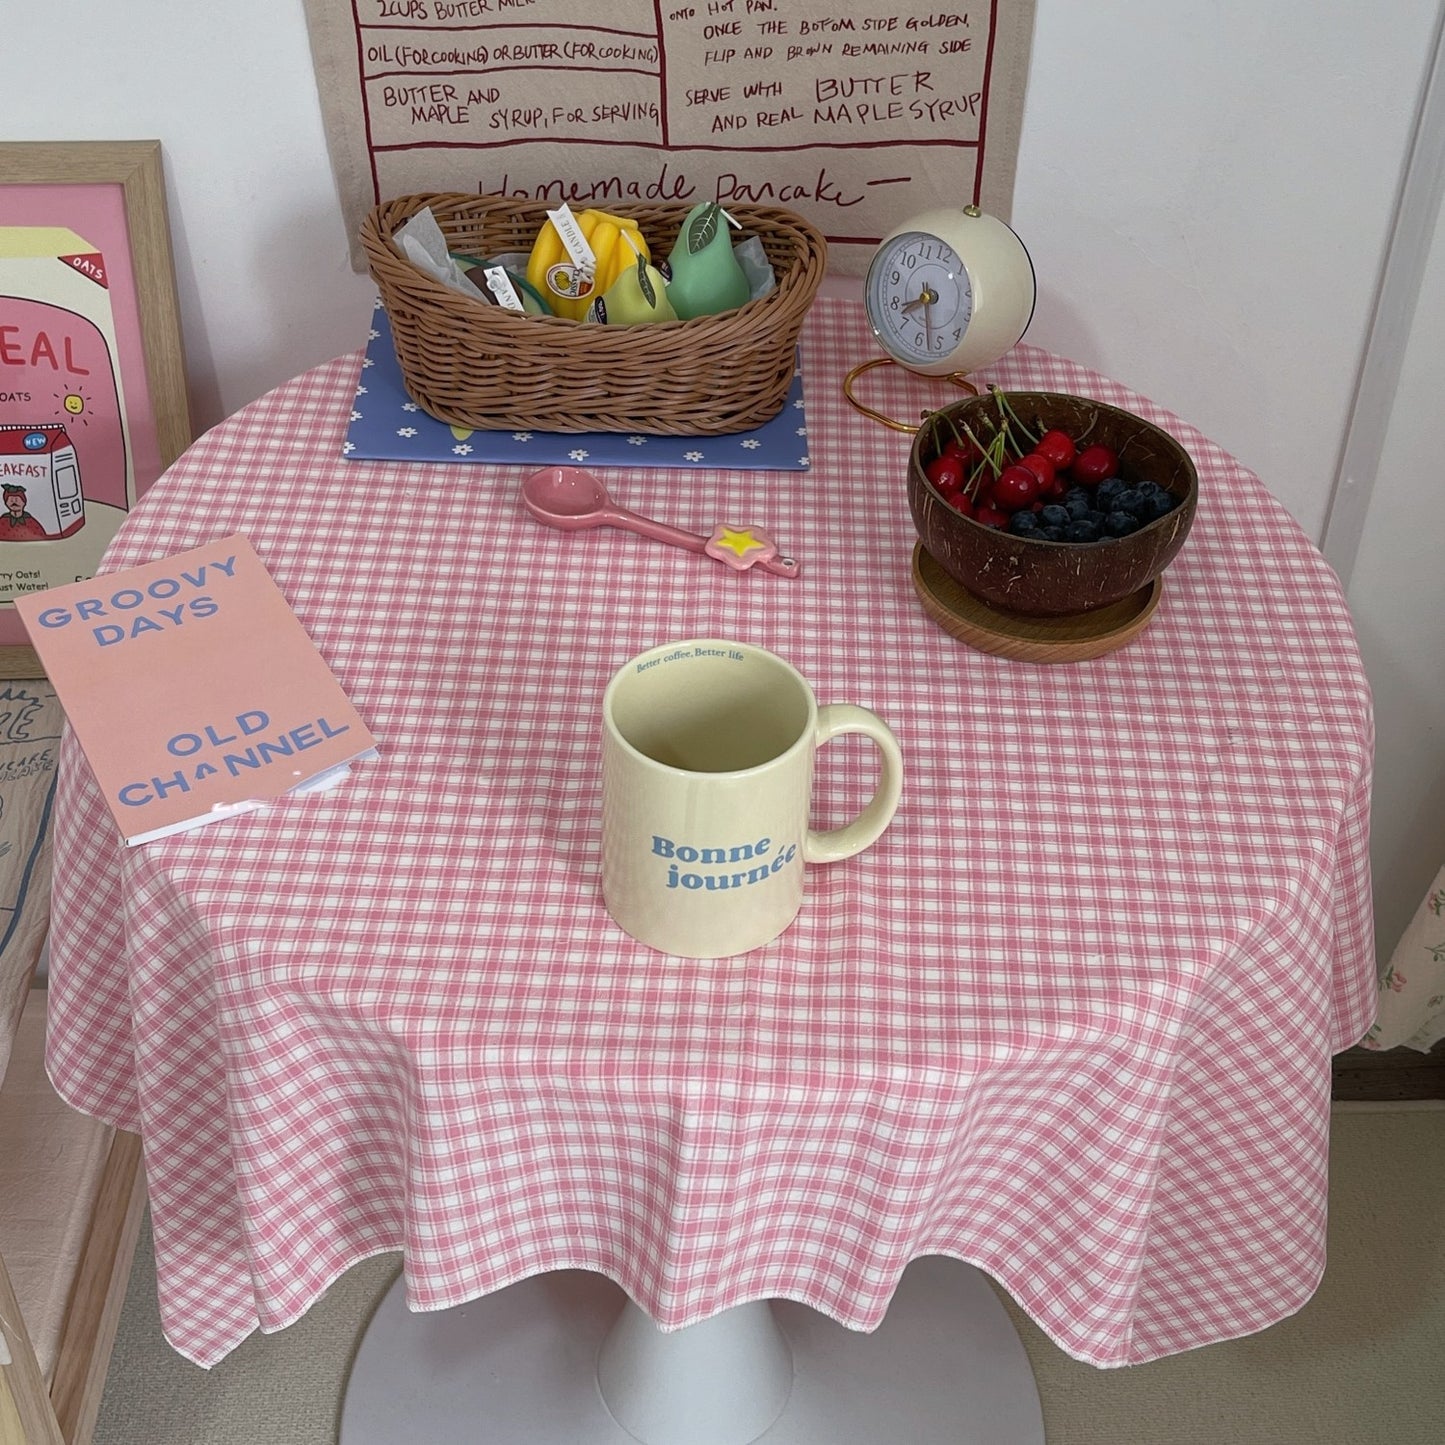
<point>78,442</point>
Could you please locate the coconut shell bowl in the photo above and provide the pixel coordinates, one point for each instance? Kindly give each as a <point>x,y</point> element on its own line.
<point>1026,596</point>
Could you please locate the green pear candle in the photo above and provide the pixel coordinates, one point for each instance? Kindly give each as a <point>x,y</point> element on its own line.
<point>638,294</point>
<point>706,276</point>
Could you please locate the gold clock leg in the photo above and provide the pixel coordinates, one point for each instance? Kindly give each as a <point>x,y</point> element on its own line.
<point>956,378</point>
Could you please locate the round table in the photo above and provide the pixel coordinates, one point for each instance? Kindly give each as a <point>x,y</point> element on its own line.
<point>1069,1022</point>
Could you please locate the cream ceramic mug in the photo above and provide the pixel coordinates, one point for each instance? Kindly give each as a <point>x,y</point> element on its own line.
<point>707,775</point>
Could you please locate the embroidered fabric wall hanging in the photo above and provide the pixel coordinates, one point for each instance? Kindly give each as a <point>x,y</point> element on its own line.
<point>857,117</point>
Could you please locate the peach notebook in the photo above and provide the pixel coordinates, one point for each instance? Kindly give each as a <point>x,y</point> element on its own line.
<point>193,689</point>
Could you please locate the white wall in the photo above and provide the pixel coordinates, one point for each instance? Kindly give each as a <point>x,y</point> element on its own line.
<point>1397,594</point>
<point>1207,191</point>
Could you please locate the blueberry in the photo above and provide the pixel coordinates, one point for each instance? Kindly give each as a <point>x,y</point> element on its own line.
<point>1081,532</point>
<point>1130,500</point>
<point>1120,524</point>
<point>1079,494</point>
<point>1106,491</point>
<point>1078,509</point>
<point>1054,516</point>
<point>1023,524</point>
<point>1052,534</point>
<point>1159,505</point>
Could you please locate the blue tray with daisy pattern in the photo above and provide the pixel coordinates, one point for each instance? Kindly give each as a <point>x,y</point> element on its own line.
<point>387,425</point>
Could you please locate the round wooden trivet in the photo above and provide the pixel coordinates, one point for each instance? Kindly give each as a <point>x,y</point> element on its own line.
<point>1029,639</point>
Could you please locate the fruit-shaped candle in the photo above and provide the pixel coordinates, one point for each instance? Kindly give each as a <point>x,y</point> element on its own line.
<point>706,277</point>
<point>553,271</point>
<point>638,294</point>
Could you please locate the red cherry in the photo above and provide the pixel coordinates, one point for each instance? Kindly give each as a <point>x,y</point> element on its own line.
<point>945,472</point>
<point>1058,447</point>
<point>961,503</point>
<point>1015,487</point>
<point>1093,465</point>
<point>990,516</point>
<point>1041,467</point>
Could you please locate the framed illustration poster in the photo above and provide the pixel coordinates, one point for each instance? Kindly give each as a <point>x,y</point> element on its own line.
<point>92,376</point>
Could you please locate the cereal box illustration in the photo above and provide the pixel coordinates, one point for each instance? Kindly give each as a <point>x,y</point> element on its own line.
<point>66,472</point>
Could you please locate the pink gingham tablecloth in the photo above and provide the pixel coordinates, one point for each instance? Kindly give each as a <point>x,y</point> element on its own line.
<point>1071,1020</point>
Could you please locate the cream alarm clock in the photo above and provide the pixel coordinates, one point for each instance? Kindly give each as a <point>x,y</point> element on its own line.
<point>947,292</point>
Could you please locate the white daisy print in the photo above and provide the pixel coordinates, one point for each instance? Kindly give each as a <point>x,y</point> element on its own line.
<point>521,436</point>
<point>802,431</point>
<point>406,431</point>
<point>692,456</point>
<point>410,406</point>
<point>579,454</point>
<point>356,416</point>
<point>366,361</point>
<point>462,451</point>
<point>347,448</point>
<point>752,444</point>
<point>636,441</point>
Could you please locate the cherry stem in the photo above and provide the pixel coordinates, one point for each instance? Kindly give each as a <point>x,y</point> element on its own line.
<point>985,451</point>
<point>1004,406</point>
<point>1001,447</point>
<point>934,418</point>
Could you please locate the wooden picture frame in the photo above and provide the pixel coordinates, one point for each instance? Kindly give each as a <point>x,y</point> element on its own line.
<point>132,412</point>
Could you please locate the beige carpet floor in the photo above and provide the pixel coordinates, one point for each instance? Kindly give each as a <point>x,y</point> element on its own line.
<point>1362,1364</point>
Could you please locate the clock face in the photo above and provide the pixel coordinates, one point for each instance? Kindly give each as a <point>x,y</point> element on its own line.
<point>919,299</point>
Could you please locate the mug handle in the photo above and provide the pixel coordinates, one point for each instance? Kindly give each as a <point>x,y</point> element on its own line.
<point>838,843</point>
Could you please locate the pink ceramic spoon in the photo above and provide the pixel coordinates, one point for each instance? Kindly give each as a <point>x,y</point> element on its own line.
<point>572,498</point>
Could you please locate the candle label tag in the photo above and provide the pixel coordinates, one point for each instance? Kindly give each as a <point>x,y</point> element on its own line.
<point>572,238</point>
<point>500,285</point>
<point>573,279</point>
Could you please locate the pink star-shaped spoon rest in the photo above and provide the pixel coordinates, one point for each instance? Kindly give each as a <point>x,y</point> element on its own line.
<point>744,547</point>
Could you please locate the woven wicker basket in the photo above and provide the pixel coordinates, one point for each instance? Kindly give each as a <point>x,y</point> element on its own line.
<point>476,365</point>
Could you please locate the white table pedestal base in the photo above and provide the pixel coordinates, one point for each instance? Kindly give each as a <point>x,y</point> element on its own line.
<point>562,1358</point>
